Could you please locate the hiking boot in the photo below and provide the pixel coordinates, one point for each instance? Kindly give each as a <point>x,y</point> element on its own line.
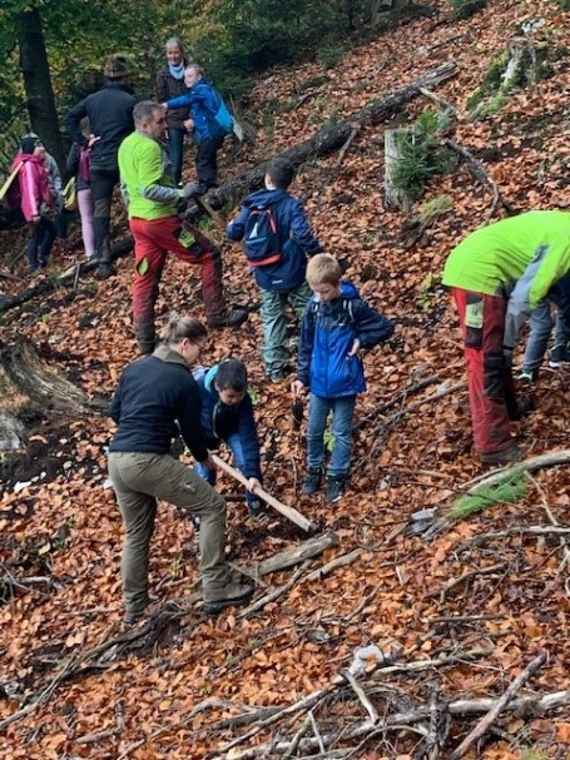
<point>233,593</point>
<point>503,457</point>
<point>312,481</point>
<point>558,356</point>
<point>335,488</point>
<point>234,318</point>
<point>132,617</point>
<point>529,376</point>
<point>104,270</point>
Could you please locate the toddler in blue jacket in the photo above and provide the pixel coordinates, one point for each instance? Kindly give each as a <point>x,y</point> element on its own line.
<point>336,325</point>
<point>281,277</point>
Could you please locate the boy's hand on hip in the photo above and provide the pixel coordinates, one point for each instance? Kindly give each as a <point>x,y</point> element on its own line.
<point>253,484</point>
<point>189,124</point>
<point>355,348</point>
<point>297,388</point>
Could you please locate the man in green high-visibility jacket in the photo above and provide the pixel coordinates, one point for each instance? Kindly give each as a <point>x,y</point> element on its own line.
<point>152,200</point>
<point>499,274</point>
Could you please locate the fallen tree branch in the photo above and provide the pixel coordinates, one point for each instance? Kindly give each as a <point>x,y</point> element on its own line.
<point>550,459</point>
<point>274,594</point>
<point>483,726</point>
<point>122,248</point>
<point>289,557</point>
<point>478,171</point>
<point>342,561</point>
<point>553,521</point>
<point>534,705</point>
<point>354,131</point>
<point>519,530</point>
<point>442,592</point>
<point>399,397</point>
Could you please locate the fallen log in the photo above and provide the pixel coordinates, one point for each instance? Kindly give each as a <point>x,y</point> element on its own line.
<point>284,509</point>
<point>331,138</point>
<point>66,279</point>
<point>290,557</point>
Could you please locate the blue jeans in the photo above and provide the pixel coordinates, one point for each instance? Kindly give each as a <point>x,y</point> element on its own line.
<point>541,324</point>
<point>234,444</point>
<point>342,410</point>
<point>176,151</point>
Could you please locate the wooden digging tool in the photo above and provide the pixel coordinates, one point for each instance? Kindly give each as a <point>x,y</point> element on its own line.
<point>284,509</point>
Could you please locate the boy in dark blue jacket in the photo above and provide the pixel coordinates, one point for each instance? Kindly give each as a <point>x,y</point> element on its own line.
<point>336,325</point>
<point>273,219</point>
<point>209,123</point>
<point>227,415</point>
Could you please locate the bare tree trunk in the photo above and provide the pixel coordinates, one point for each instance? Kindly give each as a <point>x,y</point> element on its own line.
<point>37,83</point>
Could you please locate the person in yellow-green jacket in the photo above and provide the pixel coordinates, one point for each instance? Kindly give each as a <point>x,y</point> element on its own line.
<point>499,274</point>
<point>153,201</point>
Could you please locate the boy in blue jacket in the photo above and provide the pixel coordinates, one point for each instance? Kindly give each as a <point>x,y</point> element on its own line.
<point>209,123</point>
<point>277,240</point>
<point>227,415</point>
<point>336,325</point>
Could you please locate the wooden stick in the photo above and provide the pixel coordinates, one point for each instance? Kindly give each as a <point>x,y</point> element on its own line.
<point>485,723</point>
<point>466,576</point>
<point>284,509</point>
<point>362,698</point>
<point>274,594</point>
<point>479,173</point>
<point>355,128</point>
<point>344,559</point>
<point>550,459</point>
<point>519,530</point>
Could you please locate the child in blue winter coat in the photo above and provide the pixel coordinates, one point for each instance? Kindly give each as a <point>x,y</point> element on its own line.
<point>277,240</point>
<point>336,325</point>
<point>209,122</point>
<point>227,415</point>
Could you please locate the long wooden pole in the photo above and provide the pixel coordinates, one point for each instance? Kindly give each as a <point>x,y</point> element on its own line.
<point>289,512</point>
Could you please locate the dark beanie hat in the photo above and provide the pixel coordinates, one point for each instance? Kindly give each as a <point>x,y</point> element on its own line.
<point>116,67</point>
<point>29,142</point>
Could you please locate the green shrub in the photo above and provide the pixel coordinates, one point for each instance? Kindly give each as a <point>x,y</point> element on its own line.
<point>505,492</point>
<point>467,8</point>
<point>420,155</point>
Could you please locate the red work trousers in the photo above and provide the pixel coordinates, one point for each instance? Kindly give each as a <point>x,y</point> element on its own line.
<point>491,390</point>
<point>154,240</point>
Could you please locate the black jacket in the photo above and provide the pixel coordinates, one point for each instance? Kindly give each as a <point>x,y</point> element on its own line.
<point>110,114</point>
<point>168,87</point>
<point>156,399</point>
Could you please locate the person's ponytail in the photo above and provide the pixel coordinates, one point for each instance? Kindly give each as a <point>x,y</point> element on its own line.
<point>177,328</point>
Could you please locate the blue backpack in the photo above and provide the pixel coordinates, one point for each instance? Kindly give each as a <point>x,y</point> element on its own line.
<point>261,237</point>
<point>223,117</point>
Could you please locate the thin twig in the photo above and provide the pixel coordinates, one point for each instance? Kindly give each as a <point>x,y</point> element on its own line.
<point>485,723</point>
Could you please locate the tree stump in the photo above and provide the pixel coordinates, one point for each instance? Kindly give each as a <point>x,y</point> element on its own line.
<point>32,392</point>
<point>394,197</point>
<point>521,65</point>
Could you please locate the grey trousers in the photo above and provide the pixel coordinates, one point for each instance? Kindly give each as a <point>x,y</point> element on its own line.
<point>139,480</point>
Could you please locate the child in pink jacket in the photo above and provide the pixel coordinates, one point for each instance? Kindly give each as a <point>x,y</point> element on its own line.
<point>33,195</point>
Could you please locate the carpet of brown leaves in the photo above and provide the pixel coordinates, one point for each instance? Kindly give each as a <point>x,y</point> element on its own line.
<point>73,531</point>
